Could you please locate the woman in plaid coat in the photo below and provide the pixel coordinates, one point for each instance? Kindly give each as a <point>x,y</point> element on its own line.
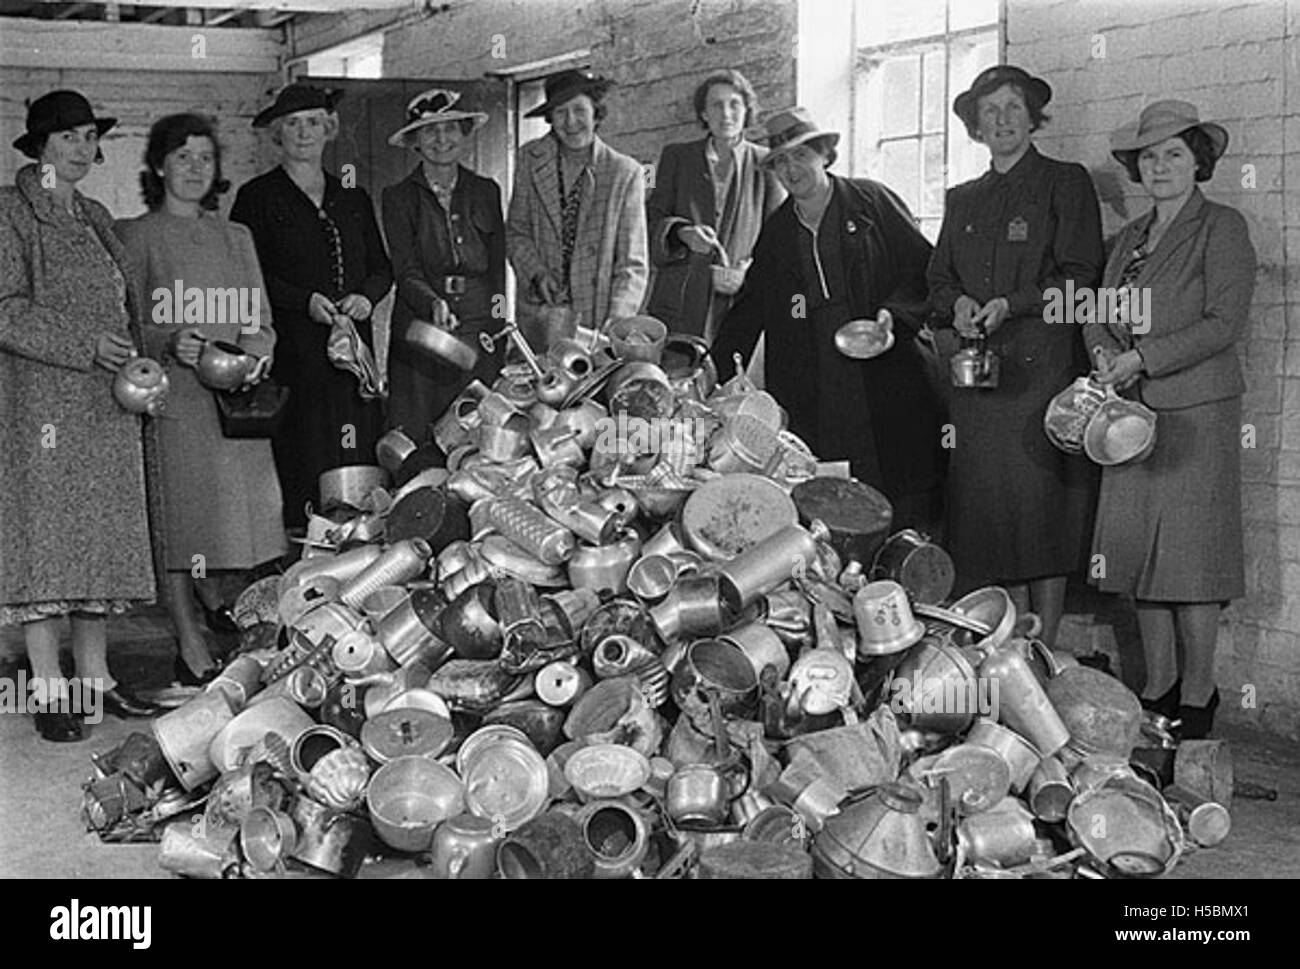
<point>576,234</point>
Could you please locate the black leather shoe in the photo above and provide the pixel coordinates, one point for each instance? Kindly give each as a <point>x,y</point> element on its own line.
<point>1167,704</point>
<point>59,728</point>
<point>186,677</point>
<point>1197,721</point>
<point>125,705</point>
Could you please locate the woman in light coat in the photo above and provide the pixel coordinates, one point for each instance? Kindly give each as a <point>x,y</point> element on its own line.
<point>576,231</point>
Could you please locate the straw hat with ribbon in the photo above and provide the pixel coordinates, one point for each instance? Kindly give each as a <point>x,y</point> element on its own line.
<point>58,111</point>
<point>1161,120</point>
<point>792,127</point>
<point>431,107</point>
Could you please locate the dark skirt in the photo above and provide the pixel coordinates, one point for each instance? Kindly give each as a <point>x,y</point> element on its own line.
<point>1169,528</point>
<point>421,388</point>
<point>1018,509</point>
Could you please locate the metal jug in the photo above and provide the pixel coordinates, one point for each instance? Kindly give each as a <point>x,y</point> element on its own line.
<point>975,365</point>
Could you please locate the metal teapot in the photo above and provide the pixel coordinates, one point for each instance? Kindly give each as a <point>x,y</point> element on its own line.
<point>975,366</point>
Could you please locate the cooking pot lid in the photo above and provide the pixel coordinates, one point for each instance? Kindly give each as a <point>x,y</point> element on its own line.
<point>405,731</point>
<point>729,515</point>
<point>507,783</point>
<point>419,514</point>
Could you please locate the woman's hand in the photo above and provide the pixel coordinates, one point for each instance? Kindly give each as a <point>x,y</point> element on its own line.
<point>356,306</point>
<point>187,345</point>
<point>321,310</point>
<point>963,315</point>
<point>992,314</point>
<point>698,238</point>
<point>111,351</point>
<point>1122,370</point>
<point>548,288</point>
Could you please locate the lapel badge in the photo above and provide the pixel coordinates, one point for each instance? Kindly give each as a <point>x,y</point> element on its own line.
<point>851,226</point>
<point>1017,230</point>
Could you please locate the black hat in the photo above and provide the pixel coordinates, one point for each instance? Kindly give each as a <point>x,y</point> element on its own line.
<point>298,97</point>
<point>566,86</point>
<point>57,111</point>
<point>1037,91</point>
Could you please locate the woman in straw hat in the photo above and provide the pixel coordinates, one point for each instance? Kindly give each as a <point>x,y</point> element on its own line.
<point>73,512</point>
<point>576,232</point>
<point>325,268</point>
<point>1169,528</point>
<point>1019,510</point>
<point>448,244</point>
<point>837,250</point>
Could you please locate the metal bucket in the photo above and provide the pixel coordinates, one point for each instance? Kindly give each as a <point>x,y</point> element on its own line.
<point>185,734</point>
<point>332,841</point>
<point>921,567</point>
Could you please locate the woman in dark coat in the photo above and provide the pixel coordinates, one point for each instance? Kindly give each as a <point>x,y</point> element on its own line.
<point>74,527</point>
<point>1019,510</point>
<point>447,238</point>
<point>710,193</point>
<point>1169,528</point>
<point>324,264</point>
<point>840,249</point>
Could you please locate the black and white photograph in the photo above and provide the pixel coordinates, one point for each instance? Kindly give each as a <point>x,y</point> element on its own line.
<point>651,439</point>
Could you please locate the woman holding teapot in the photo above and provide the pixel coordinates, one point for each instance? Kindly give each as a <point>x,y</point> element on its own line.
<point>220,496</point>
<point>73,510</point>
<point>1019,511</point>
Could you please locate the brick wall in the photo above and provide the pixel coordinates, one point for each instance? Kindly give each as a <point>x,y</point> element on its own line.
<point>1240,65</point>
<point>657,50</point>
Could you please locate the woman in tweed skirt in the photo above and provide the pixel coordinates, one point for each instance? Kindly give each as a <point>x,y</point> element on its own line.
<point>1169,528</point>
<point>74,529</point>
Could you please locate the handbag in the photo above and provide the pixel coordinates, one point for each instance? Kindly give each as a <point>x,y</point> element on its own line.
<point>253,412</point>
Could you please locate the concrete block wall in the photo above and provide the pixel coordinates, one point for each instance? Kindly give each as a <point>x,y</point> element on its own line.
<point>656,51</point>
<point>1240,65</point>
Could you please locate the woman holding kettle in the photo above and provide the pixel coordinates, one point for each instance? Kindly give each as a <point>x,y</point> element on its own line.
<point>1019,510</point>
<point>220,497</point>
<point>73,508</point>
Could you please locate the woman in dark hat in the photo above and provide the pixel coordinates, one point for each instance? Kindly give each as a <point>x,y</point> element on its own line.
<point>73,512</point>
<point>232,481</point>
<point>576,232</point>
<point>325,268</point>
<point>836,250</point>
<point>709,195</point>
<point>1019,511</point>
<point>1169,528</point>
<point>448,243</point>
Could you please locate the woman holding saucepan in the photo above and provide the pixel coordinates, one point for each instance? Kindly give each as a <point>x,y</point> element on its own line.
<point>576,232</point>
<point>837,250</point>
<point>73,509</point>
<point>1019,510</point>
<point>1169,528</point>
<point>325,268</point>
<point>710,197</point>
<point>221,498</point>
<point>448,244</point>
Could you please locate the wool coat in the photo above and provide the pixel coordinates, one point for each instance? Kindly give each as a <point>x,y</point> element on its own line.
<point>221,496</point>
<point>74,529</point>
<point>682,293</point>
<point>610,265</point>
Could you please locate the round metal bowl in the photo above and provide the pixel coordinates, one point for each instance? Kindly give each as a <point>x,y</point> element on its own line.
<point>863,339</point>
<point>409,797</point>
<point>1122,431</point>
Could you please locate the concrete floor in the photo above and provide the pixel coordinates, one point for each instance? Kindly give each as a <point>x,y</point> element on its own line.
<point>42,836</point>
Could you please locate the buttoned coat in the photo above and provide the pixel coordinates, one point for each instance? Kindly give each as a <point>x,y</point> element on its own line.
<point>74,529</point>
<point>610,267</point>
<point>682,293</point>
<point>1200,278</point>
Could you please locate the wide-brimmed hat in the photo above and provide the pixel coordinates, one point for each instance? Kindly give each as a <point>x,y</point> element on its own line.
<point>298,97</point>
<point>431,107</point>
<point>566,86</point>
<point>1037,91</point>
<point>57,111</point>
<point>1161,120</point>
<point>792,127</point>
